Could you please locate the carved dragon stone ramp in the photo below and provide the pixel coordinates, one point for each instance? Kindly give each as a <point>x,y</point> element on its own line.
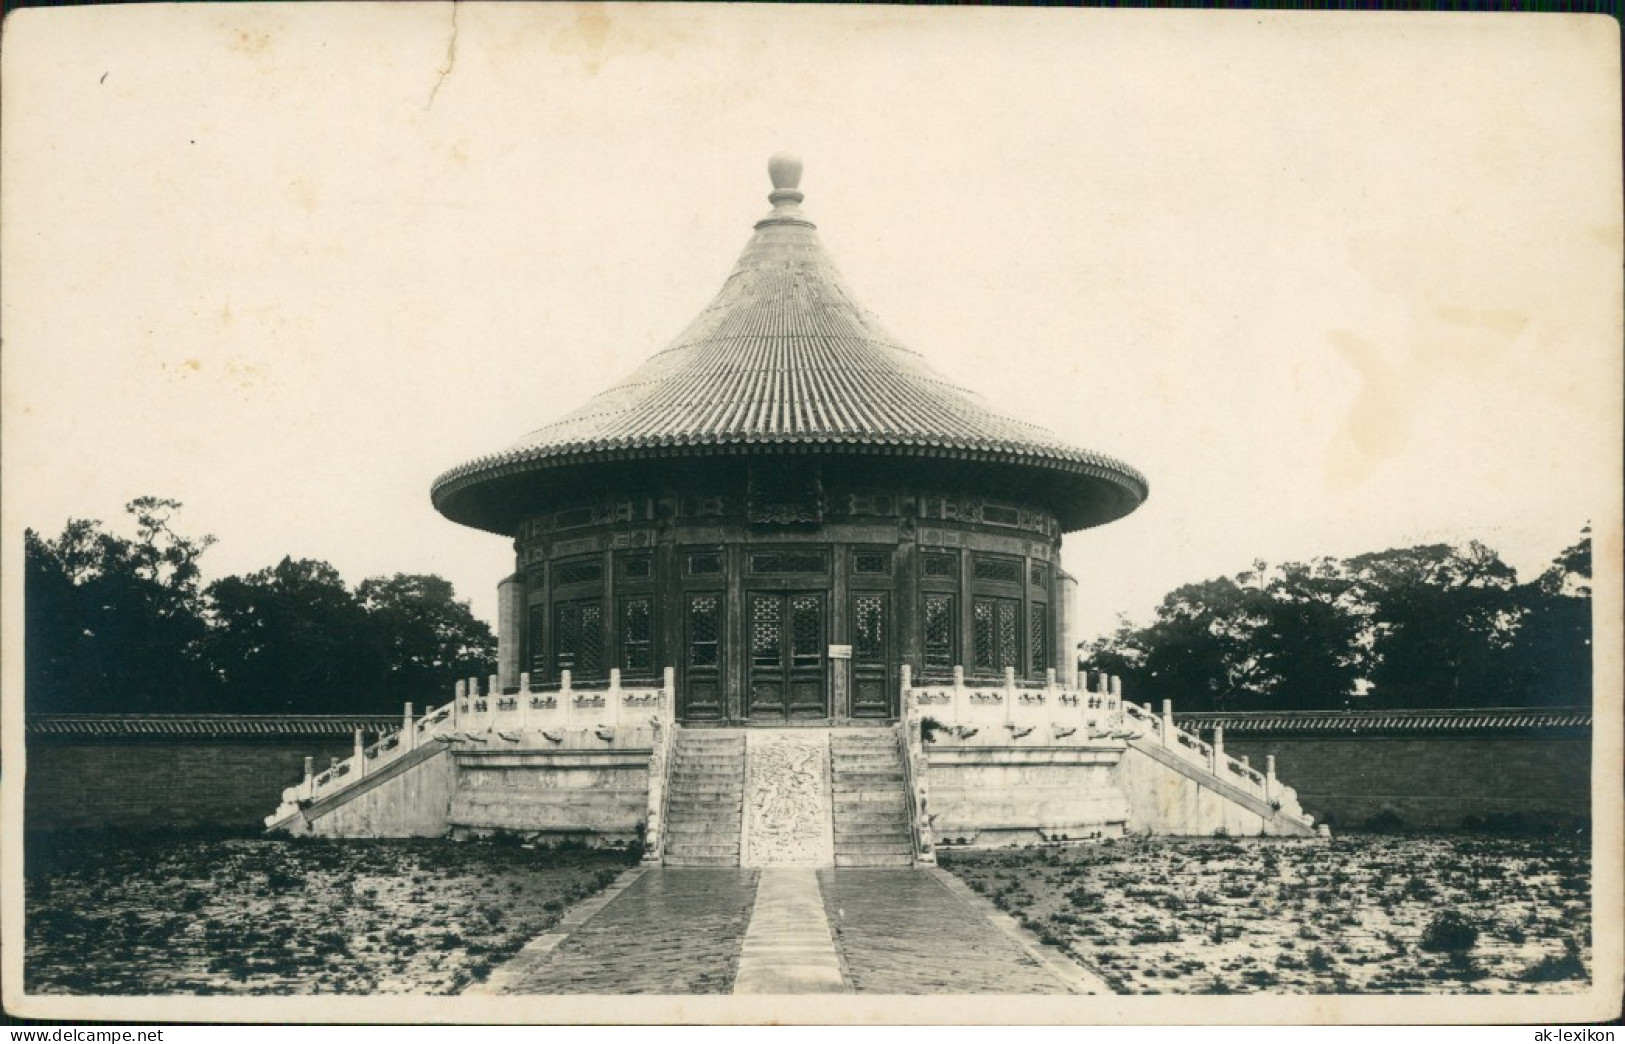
<point>788,813</point>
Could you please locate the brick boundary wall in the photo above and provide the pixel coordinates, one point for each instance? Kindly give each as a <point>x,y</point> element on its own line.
<point>1432,769</point>
<point>222,772</point>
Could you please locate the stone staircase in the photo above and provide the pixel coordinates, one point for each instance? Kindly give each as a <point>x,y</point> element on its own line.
<point>705,796</point>
<point>871,814</point>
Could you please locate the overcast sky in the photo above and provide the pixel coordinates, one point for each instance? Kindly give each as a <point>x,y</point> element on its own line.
<point>1335,283</point>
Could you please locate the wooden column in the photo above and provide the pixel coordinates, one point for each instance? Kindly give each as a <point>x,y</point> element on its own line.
<point>907,604</point>
<point>840,631</point>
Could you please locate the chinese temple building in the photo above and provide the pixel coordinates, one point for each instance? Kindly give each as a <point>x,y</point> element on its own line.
<point>786,479</point>
<point>785,593</point>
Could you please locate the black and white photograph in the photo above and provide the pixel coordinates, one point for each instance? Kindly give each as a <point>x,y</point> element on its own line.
<point>734,513</point>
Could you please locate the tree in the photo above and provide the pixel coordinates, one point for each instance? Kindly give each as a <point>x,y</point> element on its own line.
<point>1427,626</point>
<point>293,638</point>
<point>1550,658</point>
<point>114,624</point>
<point>1443,618</point>
<point>426,637</point>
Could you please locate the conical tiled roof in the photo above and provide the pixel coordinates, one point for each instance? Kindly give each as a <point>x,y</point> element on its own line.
<point>786,357</point>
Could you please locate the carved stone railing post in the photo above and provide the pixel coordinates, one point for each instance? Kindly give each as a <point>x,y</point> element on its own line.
<point>916,770</point>
<point>612,703</point>
<point>1220,761</point>
<point>1270,783</point>
<point>458,691</point>
<point>960,716</point>
<point>664,723</point>
<point>409,732</point>
<point>1168,739</point>
<point>524,701</point>
<point>359,759</point>
<point>308,787</point>
<point>654,831</point>
<point>1009,693</point>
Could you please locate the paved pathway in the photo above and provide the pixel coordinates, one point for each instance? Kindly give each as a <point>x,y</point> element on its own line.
<point>903,931</point>
<point>670,931</point>
<point>780,931</point>
<point>788,948</point>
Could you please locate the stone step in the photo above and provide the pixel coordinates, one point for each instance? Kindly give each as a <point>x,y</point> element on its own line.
<point>848,780</point>
<point>865,835</point>
<point>698,860</point>
<point>868,796</point>
<point>710,743</point>
<point>702,833</point>
<point>688,848</point>
<point>690,785</point>
<point>847,768</point>
<point>707,763</point>
<point>873,860</point>
<point>888,849</point>
<point>692,811</point>
<point>845,826</point>
<point>681,813</point>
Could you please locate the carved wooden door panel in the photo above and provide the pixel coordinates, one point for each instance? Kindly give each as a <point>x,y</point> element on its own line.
<point>702,639</point>
<point>787,634</point>
<point>871,635</point>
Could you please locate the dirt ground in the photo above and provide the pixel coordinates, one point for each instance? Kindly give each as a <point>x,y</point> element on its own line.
<point>1355,914</point>
<point>260,916</point>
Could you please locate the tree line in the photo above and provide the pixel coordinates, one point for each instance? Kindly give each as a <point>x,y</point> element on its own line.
<point>123,625</point>
<point>1430,626</point>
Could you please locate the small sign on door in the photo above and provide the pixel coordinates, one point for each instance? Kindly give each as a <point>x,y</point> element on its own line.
<point>840,652</point>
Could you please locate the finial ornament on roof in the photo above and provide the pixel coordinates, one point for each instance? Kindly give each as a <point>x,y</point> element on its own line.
<point>785,170</point>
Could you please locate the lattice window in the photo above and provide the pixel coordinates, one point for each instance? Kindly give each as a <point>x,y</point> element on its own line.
<point>704,629</point>
<point>579,571</point>
<point>939,631</point>
<point>766,632</point>
<point>997,634</point>
<point>789,562</point>
<point>537,576</point>
<point>869,628</point>
<point>704,565</point>
<point>806,629</point>
<point>578,638</point>
<point>982,614</point>
<point>1038,630</point>
<point>872,562</point>
<point>998,570</point>
<point>1039,575</point>
<point>538,639</point>
<point>1008,649</point>
<point>637,636</point>
<point>591,659</point>
<point>638,568</point>
<point>938,566</point>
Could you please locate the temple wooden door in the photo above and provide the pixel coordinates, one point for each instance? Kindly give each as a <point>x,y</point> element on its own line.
<point>788,679</point>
